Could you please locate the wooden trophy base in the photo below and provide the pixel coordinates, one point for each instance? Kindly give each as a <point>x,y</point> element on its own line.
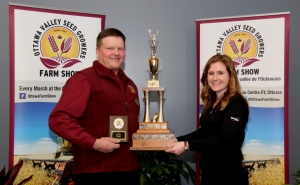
<point>152,136</point>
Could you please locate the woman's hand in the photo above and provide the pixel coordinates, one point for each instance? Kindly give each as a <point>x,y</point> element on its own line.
<point>176,148</point>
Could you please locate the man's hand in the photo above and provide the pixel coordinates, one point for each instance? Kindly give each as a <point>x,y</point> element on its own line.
<point>106,144</point>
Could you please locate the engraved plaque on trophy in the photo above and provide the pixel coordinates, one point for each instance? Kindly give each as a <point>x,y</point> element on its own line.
<point>153,132</point>
<point>118,128</point>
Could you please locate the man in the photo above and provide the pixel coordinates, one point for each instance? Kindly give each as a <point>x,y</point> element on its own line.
<point>82,115</point>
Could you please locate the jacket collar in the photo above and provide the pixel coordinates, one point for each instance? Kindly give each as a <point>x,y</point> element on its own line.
<point>104,71</point>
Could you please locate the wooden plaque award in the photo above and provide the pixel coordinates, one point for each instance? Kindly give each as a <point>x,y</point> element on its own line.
<point>118,127</point>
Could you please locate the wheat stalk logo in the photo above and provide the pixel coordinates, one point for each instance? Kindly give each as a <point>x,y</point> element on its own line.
<point>52,43</point>
<point>66,45</point>
<point>59,59</point>
<point>240,60</point>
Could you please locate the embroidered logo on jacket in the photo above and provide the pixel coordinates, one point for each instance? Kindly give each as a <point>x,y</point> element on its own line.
<point>235,119</point>
<point>131,89</point>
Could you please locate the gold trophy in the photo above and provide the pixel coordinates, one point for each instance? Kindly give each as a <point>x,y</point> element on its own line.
<point>153,134</point>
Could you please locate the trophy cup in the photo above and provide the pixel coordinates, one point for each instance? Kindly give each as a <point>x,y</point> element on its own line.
<point>153,134</point>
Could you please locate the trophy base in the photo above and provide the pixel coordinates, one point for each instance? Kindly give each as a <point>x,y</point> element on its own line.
<point>152,141</point>
<point>153,125</point>
<point>151,131</point>
<point>153,128</point>
<point>153,83</point>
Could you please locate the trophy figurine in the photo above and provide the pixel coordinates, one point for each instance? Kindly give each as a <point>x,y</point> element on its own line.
<point>153,61</point>
<point>153,134</point>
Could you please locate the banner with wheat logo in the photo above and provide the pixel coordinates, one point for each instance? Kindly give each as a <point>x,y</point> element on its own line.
<point>47,46</point>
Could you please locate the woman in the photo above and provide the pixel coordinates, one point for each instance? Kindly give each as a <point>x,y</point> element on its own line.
<point>223,122</point>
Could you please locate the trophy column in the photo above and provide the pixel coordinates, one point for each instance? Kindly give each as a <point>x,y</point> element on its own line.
<point>147,105</point>
<point>160,112</point>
